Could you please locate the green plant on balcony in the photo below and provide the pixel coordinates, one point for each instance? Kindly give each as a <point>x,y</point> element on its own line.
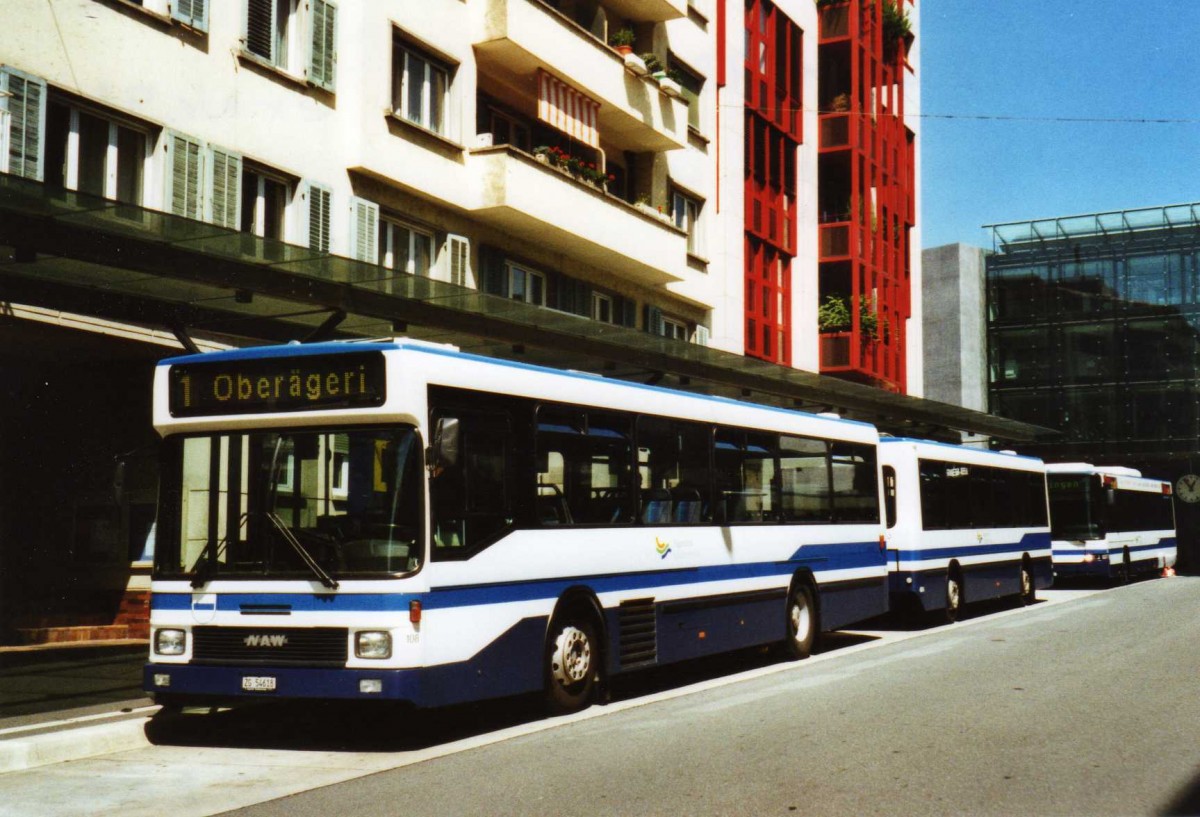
<point>896,27</point>
<point>868,321</point>
<point>622,40</point>
<point>833,315</point>
<point>653,64</point>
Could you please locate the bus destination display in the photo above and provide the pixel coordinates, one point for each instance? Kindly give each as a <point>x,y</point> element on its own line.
<point>261,385</point>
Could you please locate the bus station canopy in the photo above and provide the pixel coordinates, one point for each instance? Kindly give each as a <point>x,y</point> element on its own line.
<point>92,256</point>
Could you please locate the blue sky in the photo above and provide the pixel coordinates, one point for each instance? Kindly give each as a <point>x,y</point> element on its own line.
<point>1038,61</point>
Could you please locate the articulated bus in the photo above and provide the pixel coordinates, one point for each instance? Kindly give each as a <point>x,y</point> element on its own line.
<point>1109,521</point>
<point>399,520</point>
<point>963,524</point>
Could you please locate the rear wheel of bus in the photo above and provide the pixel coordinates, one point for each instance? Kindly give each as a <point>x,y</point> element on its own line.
<point>803,623</point>
<point>1028,588</point>
<point>955,598</point>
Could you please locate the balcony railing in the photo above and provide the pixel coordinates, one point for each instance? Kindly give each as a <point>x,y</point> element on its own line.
<point>547,207</point>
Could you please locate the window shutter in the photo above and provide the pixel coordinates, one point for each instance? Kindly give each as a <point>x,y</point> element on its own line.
<point>191,12</point>
<point>701,336</point>
<point>364,230</point>
<point>495,279</point>
<point>25,102</point>
<point>625,310</point>
<point>224,188</point>
<point>260,28</point>
<point>654,320</point>
<point>322,57</point>
<point>319,215</point>
<point>458,260</point>
<point>183,177</point>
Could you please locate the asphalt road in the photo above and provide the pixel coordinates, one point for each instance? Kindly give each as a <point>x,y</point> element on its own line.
<point>1085,707</point>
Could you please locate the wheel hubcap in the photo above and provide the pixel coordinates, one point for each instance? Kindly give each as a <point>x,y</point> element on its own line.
<point>800,619</point>
<point>952,595</point>
<point>572,658</point>
<point>1026,582</point>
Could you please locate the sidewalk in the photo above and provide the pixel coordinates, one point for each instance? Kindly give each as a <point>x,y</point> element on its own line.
<point>61,702</point>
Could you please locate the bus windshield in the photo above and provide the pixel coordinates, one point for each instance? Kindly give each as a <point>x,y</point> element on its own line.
<point>1074,508</point>
<point>320,505</point>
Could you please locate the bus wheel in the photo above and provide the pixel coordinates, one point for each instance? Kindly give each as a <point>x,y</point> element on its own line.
<point>1028,588</point>
<point>572,664</point>
<point>802,622</point>
<point>954,596</point>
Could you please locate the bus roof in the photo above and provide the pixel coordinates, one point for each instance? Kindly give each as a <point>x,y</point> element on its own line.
<point>295,349</point>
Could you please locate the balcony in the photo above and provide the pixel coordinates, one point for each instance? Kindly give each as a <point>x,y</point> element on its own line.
<point>537,203</point>
<point>648,11</point>
<point>519,37</point>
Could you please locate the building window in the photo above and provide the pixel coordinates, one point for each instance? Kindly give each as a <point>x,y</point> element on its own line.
<point>508,130</point>
<point>294,37</point>
<point>526,285</point>
<point>692,85</point>
<point>602,307</point>
<point>674,329</point>
<point>269,24</point>
<point>88,152</point>
<point>420,87</point>
<point>405,249</point>
<point>265,199</point>
<point>685,210</point>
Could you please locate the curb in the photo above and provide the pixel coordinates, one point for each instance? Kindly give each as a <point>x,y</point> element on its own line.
<point>19,754</point>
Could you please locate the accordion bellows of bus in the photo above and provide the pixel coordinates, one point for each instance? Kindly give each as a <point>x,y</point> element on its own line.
<point>1109,521</point>
<point>399,520</point>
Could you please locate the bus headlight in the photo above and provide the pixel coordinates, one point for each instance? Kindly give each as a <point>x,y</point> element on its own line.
<point>373,644</point>
<point>170,642</point>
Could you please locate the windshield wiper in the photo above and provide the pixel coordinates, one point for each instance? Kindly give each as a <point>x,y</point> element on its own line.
<point>207,562</point>
<point>307,558</point>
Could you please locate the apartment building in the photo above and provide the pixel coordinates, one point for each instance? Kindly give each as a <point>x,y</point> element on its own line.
<point>597,166</point>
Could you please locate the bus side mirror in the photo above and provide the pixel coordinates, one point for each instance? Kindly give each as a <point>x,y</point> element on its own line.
<point>444,451</point>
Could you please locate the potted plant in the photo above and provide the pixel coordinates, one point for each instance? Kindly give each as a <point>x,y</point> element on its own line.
<point>868,321</point>
<point>622,41</point>
<point>653,64</point>
<point>833,315</point>
<point>542,154</point>
<point>672,82</point>
<point>896,27</point>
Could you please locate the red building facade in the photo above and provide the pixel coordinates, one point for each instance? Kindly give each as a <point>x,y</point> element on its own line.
<point>773,131</point>
<point>866,189</point>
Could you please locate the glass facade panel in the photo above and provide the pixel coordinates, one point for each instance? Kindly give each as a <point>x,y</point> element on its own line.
<point>1092,330</point>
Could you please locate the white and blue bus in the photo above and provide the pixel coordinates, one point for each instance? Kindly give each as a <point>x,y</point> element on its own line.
<point>399,520</point>
<point>1109,522</point>
<point>963,524</point>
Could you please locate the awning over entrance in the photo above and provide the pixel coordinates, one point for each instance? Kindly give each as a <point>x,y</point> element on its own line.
<point>83,254</point>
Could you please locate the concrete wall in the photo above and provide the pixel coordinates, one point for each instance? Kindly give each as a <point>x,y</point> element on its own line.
<point>955,326</point>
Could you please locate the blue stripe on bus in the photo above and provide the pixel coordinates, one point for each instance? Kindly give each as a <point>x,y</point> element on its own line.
<point>818,557</point>
<point>1166,542</point>
<point>1030,541</point>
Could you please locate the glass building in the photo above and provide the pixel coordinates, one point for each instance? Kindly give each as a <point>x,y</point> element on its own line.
<point>1092,329</point>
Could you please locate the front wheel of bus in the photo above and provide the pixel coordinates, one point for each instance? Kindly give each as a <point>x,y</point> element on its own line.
<point>802,622</point>
<point>572,665</point>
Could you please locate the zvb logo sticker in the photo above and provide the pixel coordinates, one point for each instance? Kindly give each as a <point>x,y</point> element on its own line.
<point>662,547</point>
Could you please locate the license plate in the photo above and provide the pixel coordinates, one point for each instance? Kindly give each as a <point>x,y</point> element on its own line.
<point>258,683</point>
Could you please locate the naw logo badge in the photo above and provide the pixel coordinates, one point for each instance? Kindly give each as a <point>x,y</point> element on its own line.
<point>265,640</point>
<point>662,547</point>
